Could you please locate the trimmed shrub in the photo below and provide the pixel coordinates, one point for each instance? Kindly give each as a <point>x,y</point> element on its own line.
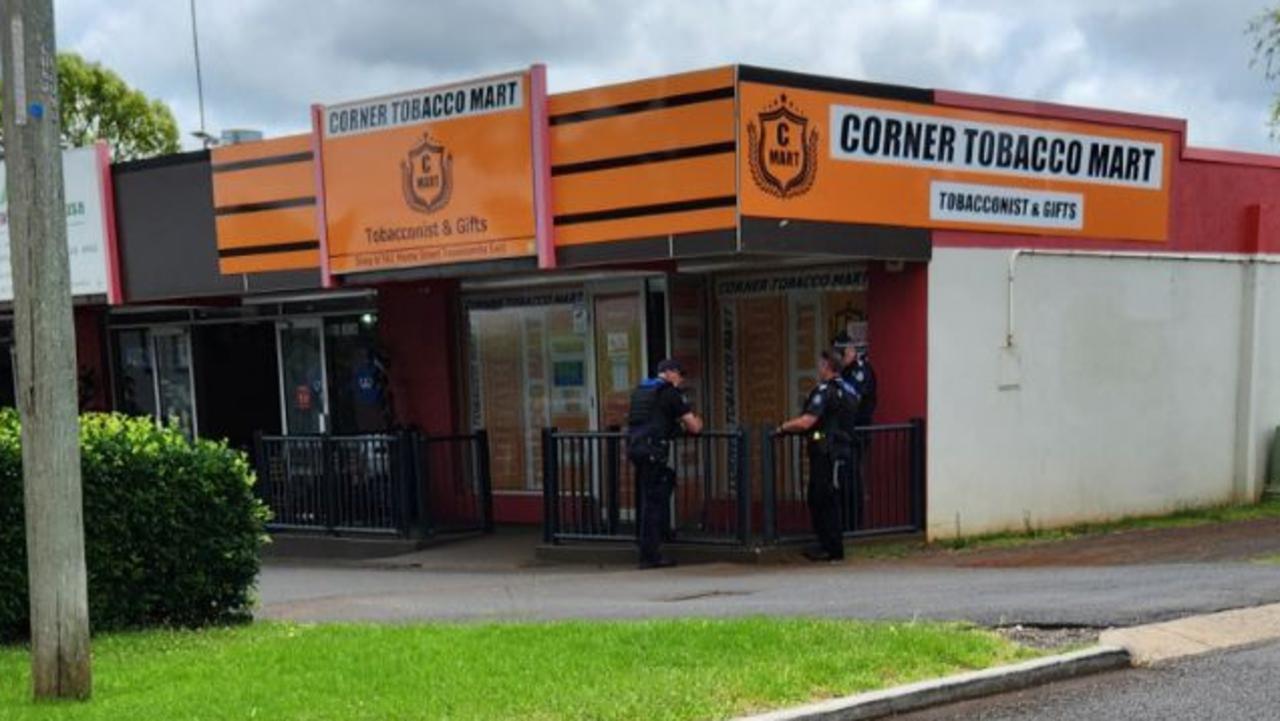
<point>172,527</point>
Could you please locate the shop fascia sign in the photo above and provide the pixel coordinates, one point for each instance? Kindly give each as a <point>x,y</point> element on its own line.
<point>848,278</point>
<point>90,241</point>
<point>828,156</point>
<point>437,176</point>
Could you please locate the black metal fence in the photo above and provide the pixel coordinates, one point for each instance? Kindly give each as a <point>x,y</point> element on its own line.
<point>881,487</point>
<point>458,492</point>
<point>402,484</point>
<point>590,490</point>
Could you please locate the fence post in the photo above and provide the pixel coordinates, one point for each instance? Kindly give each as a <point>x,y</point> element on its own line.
<point>407,477</point>
<point>550,487</point>
<point>423,484</point>
<point>917,473</point>
<point>743,479</point>
<point>329,474</point>
<point>768,497</point>
<point>486,482</point>
<point>612,472</point>
<point>260,467</point>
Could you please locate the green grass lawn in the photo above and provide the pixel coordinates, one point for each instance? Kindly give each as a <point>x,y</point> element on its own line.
<point>682,669</point>
<point>1013,539</point>
<point>1178,519</point>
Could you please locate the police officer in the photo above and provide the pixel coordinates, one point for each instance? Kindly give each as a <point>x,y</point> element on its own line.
<point>827,416</point>
<point>659,410</point>
<point>859,374</point>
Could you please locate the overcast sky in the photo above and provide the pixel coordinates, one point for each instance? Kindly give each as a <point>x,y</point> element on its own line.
<point>265,61</point>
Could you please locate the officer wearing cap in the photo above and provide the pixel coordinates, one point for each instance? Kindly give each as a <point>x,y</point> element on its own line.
<point>859,374</point>
<point>827,416</point>
<point>659,410</point>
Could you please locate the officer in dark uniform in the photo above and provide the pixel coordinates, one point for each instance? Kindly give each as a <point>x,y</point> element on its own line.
<point>827,417</point>
<point>859,374</point>
<point>659,410</point>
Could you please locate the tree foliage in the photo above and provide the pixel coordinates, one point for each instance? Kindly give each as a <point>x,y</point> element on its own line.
<point>96,104</point>
<point>1265,29</point>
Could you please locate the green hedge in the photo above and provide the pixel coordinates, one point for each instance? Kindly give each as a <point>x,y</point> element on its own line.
<point>172,527</point>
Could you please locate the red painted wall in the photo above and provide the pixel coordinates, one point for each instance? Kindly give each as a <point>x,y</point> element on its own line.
<point>416,325</point>
<point>91,358</point>
<point>1212,212</point>
<point>898,311</point>
<point>524,509</point>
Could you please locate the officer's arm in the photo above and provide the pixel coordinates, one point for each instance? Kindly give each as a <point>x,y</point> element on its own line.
<point>692,423</point>
<point>799,424</point>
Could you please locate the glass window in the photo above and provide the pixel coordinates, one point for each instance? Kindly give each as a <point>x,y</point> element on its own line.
<point>8,376</point>
<point>528,371</point>
<point>302,376</point>
<point>357,375</point>
<point>174,372</point>
<point>135,382</point>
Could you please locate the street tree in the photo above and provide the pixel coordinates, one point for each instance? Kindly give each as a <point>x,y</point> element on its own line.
<point>97,104</point>
<point>1265,29</point>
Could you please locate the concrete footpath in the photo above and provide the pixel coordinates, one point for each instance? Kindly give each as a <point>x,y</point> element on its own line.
<point>1172,640</point>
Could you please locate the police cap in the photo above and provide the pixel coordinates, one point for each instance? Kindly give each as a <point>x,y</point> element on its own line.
<point>670,364</point>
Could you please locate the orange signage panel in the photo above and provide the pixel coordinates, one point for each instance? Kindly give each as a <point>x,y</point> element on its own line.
<point>649,158</point>
<point>264,206</point>
<point>429,177</point>
<point>829,156</point>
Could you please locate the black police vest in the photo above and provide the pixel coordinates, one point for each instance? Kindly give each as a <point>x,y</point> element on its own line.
<point>647,428</point>
<point>834,434</point>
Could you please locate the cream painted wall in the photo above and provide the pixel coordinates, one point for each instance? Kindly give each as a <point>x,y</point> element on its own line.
<point>1121,395</point>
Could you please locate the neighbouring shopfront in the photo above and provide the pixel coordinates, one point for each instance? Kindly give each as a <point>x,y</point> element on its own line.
<point>273,368</point>
<point>93,267</point>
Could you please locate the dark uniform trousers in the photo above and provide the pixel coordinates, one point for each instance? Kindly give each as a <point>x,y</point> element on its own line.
<point>656,482</point>
<point>824,501</point>
<point>851,488</point>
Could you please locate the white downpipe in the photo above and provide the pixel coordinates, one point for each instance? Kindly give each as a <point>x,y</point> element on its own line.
<point>1234,258</point>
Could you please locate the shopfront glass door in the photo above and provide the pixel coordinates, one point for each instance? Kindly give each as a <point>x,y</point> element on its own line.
<point>620,354</point>
<point>304,392</point>
<point>175,380</point>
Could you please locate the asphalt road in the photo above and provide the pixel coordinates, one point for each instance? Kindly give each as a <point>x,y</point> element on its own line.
<point>1235,685</point>
<point>1086,596</point>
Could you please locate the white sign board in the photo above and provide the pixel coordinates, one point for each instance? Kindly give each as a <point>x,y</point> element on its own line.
<point>87,251</point>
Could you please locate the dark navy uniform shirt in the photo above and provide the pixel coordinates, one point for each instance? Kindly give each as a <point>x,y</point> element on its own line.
<point>834,404</point>
<point>862,377</point>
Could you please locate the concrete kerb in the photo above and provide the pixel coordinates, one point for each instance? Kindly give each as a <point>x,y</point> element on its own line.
<point>960,687</point>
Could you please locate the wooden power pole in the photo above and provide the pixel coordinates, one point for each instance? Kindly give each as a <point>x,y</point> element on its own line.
<point>47,386</point>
